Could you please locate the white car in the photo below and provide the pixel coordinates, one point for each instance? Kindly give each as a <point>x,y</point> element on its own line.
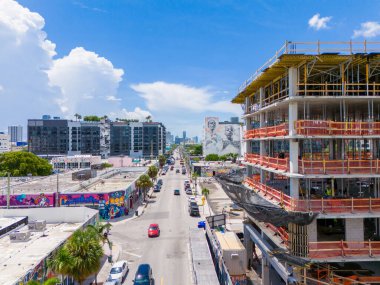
<point>118,271</point>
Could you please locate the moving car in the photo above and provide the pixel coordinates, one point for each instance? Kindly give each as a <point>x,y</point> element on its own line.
<point>153,230</point>
<point>144,275</point>
<point>194,209</point>
<point>118,271</point>
<point>177,171</point>
<point>159,182</point>
<point>176,192</point>
<point>172,167</point>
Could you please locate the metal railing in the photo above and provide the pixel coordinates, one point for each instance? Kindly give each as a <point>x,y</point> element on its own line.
<point>266,161</point>
<point>344,249</point>
<point>338,89</point>
<point>273,131</point>
<point>350,47</point>
<point>323,205</point>
<point>328,128</point>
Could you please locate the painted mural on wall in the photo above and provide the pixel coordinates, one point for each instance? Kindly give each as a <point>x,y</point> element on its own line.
<point>220,138</point>
<point>28,200</point>
<point>111,205</point>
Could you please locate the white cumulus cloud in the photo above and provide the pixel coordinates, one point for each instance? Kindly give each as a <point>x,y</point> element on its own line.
<point>317,22</point>
<point>25,55</point>
<point>172,97</point>
<point>368,30</point>
<point>88,82</point>
<point>136,114</point>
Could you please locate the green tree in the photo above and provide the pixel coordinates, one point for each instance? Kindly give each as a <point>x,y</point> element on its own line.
<point>50,281</point>
<point>152,172</point>
<point>223,157</point>
<point>91,118</point>
<point>144,183</point>
<point>161,160</point>
<point>20,163</point>
<point>212,157</point>
<point>101,232</point>
<point>205,192</point>
<point>79,257</point>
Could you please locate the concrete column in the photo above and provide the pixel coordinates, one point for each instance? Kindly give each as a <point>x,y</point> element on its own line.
<point>312,231</point>
<point>354,229</point>
<point>293,80</point>
<point>248,244</point>
<point>294,187</point>
<point>265,276</point>
<point>262,96</point>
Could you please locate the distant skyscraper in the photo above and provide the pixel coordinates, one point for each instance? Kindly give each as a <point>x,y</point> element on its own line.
<point>234,120</point>
<point>15,133</point>
<point>184,135</point>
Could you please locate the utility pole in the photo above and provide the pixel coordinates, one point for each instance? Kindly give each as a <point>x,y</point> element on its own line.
<point>57,194</point>
<point>9,190</point>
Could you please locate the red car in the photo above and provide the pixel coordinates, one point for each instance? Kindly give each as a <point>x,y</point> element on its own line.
<point>154,230</point>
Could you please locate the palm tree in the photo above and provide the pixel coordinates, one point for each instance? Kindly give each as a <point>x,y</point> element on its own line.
<point>76,115</point>
<point>79,257</point>
<point>101,232</point>
<point>149,118</point>
<point>161,160</point>
<point>205,192</point>
<point>144,183</point>
<point>152,172</point>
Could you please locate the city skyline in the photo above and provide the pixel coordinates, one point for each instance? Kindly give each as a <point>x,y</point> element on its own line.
<point>133,61</point>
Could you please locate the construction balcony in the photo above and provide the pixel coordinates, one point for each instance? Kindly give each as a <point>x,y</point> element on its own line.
<point>318,166</point>
<point>324,205</point>
<point>317,128</point>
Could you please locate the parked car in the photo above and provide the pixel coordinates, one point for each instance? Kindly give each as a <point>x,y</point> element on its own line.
<point>153,230</point>
<point>144,275</point>
<point>111,281</point>
<point>183,171</point>
<point>188,191</point>
<point>156,188</point>
<point>163,173</point>
<point>176,192</point>
<point>118,271</point>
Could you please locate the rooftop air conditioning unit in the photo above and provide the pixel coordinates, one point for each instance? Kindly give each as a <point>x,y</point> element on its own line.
<point>37,226</point>
<point>19,236</point>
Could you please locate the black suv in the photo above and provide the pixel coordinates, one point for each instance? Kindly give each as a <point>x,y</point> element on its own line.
<point>193,209</point>
<point>144,275</point>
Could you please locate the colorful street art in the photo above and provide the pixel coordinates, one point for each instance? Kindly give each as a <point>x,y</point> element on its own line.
<point>111,205</point>
<point>28,200</point>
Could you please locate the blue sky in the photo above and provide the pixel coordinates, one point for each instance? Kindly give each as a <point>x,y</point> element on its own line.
<point>180,60</point>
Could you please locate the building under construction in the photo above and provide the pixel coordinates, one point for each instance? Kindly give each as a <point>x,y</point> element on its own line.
<point>312,116</point>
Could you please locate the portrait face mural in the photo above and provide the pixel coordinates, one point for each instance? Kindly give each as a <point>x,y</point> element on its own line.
<point>220,138</point>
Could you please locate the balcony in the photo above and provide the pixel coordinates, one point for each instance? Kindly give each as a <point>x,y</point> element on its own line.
<point>319,250</point>
<point>348,166</point>
<point>331,128</point>
<point>338,89</point>
<point>326,206</point>
<point>266,161</point>
<point>318,166</point>
<point>274,131</point>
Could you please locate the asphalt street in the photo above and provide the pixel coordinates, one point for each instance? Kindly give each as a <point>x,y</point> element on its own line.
<point>167,254</point>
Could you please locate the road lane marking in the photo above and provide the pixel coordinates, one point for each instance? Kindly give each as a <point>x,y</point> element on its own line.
<point>133,254</point>
<point>162,281</point>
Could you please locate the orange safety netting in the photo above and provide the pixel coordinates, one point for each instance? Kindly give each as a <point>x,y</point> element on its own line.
<point>274,131</point>
<point>330,205</point>
<point>343,248</point>
<point>327,128</point>
<point>271,162</point>
<point>348,166</point>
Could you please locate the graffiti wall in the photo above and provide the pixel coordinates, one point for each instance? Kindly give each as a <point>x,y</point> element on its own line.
<point>29,200</point>
<point>220,138</point>
<point>111,205</point>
